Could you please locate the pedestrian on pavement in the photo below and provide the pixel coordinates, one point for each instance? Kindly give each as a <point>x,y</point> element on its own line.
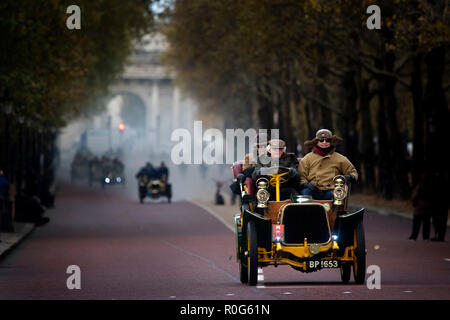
<point>440,205</point>
<point>319,167</point>
<point>422,200</point>
<point>4,185</point>
<point>219,200</point>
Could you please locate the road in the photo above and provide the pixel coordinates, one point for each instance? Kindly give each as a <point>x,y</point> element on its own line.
<point>156,250</point>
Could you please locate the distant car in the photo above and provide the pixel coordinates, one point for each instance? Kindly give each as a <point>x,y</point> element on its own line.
<point>154,188</point>
<point>113,178</point>
<point>309,235</point>
<point>95,173</point>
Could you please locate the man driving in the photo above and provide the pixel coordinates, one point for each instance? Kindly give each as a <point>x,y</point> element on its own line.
<point>147,171</point>
<point>278,157</point>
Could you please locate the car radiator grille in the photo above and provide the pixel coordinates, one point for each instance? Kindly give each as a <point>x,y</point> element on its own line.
<point>305,221</point>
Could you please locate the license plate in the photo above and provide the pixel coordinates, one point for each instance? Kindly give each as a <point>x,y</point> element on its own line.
<point>320,264</point>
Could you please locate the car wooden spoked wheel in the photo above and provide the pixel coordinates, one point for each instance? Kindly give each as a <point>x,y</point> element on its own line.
<point>252,254</point>
<point>359,258</point>
<point>243,270</point>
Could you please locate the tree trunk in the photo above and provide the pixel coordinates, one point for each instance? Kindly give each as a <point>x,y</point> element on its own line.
<point>321,90</point>
<point>401,185</point>
<point>265,113</point>
<point>367,148</point>
<point>385,173</point>
<point>418,142</point>
<point>436,111</point>
<point>347,121</point>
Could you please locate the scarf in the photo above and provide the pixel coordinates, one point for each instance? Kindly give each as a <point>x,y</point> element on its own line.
<point>322,151</point>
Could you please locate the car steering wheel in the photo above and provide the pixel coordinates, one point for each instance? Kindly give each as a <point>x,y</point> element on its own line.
<point>276,174</point>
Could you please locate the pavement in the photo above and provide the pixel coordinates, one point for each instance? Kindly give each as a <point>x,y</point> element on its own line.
<point>9,240</point>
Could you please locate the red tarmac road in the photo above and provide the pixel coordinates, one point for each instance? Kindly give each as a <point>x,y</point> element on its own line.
<point>127,250</point>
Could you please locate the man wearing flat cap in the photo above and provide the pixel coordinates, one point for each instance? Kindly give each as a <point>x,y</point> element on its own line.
<point>277,156</point>
<point>259,150</point>
<point>318,168</point>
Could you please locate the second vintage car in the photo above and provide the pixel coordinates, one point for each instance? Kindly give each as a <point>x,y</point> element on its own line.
<point>154,188</point>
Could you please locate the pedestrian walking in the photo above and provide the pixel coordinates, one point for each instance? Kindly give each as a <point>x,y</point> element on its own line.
<point>439,215</point>
<point>422,200</point>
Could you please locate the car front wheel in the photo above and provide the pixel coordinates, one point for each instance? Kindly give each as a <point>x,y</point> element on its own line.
<point>252,254</point>
<point>359,259</point>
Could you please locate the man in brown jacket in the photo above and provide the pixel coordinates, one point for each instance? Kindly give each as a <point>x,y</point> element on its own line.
<point>318,168</point>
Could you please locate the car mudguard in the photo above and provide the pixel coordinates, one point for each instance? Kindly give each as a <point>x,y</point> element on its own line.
<point>345,226</point>
<point>263,227</point>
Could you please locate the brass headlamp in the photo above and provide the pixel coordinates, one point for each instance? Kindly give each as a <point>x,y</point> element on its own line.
<point>340,190</point>
<point>262,195</point>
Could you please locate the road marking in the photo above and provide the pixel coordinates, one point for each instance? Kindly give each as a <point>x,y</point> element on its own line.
<point>260,283</point>
<point>447,259</point>
<point>287,293</point>
<point>230,294</point>
<point>347,292</point>
<point>408,291</point>
<point>172,297</point>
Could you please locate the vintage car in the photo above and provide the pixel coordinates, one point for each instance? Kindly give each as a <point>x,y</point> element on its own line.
<point>154,188</point>
<point>113,178</point>
<point>309,235</point>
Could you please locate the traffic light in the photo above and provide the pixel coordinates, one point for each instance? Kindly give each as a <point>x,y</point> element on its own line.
<point>121,126</point>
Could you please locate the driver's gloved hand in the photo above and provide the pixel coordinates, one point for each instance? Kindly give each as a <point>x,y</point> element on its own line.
<point>350,178</point>
<point>310,186</point>
<point>293,173</point>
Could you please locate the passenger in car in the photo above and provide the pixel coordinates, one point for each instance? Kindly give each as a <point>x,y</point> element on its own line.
<point>250,161</point>
<point>318,168</point>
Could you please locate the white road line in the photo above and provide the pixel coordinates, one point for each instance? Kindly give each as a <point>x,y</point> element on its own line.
<point>260,283</point>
